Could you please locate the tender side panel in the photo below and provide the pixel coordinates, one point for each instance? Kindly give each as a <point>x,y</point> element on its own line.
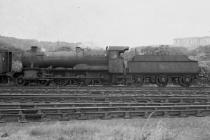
<point>163,67</point>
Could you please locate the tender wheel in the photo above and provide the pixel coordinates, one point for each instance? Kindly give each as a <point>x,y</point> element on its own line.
<point>185,81</point>
<point>20,81</point>
<point>162,81</point>
<point>138,80</point>
<point>61,82</point>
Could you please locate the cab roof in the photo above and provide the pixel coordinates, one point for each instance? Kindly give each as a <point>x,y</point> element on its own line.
<point>117,48</point>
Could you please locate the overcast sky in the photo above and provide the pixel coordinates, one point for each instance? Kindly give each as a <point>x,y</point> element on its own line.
<point>108,22</point>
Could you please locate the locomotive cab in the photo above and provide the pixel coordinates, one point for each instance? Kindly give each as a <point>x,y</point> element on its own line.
<point>116,60</point>
<point>116,65</point>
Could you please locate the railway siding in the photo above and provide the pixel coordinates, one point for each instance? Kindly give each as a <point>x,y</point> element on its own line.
<point>46,104</point>
<point>102,112</point>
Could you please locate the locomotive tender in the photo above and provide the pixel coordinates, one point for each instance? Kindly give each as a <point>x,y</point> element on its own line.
<point>110,69</point>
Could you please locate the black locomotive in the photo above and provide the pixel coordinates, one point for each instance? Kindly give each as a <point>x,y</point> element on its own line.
<point>111,69</point>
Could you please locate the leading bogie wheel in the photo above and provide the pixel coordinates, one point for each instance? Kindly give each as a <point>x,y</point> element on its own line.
<point>20,81</point>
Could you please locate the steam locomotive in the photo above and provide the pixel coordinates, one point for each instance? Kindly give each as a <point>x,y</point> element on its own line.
<point>111,69</point>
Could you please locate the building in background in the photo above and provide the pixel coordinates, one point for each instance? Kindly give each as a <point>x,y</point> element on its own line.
<point>192,42</point>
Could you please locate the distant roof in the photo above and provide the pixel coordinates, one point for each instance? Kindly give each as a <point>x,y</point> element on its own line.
<point>161,58</point>
<point>204,37</point>
<point>3,49</point>
<point>117,48</point>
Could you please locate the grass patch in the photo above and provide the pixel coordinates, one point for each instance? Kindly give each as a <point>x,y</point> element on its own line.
<point>120,129</point>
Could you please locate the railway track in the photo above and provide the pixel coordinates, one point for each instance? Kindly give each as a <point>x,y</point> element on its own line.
<point>105,90</point>
<point>65,103</point>
<point>66,107</point>
<point>46,98</point>
<point>101,112</point>
<point>145,87</point>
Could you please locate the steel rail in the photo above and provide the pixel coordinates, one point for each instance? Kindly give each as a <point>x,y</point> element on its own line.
<point>106,112</point>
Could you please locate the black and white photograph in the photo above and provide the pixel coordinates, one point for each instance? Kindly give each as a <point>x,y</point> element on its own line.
<point>104,70</point>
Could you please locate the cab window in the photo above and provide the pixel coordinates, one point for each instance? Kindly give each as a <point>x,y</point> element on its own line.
<point>113,55</point>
